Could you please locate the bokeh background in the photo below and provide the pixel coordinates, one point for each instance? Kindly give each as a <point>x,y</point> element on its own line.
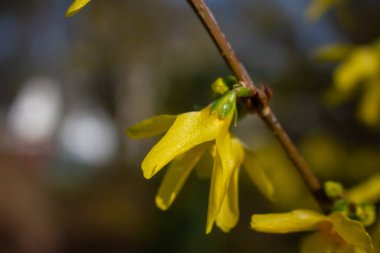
<point>70,179</point>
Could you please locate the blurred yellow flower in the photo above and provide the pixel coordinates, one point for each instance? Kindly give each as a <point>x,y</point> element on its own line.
<point>188,137</point>
<point>76,6</point>
<point>362,64</point>
<point>368,191</point>
<point>335,232</point>
<point>318,7</point>
<point>360,67</point>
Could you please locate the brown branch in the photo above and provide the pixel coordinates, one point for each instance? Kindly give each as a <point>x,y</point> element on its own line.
<point>220,41</point>
<point>259,102</point>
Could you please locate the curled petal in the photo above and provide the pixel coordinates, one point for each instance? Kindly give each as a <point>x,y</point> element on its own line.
<point>258,176</point>
<point>228,215</point>
<point>151,127</point>
<point>176,175</point>
<point>76,7</point>
<point>229,212</point>
<point>224,145</point>
<point>351,231</point>
<point>317,243</point>
<point>368,191</point>
<point>220,178</point>
<point>188,130</point>
<point>216,193</point>
<point>295,221</point>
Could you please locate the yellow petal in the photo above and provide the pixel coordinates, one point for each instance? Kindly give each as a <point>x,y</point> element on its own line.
<point>228,215</point>
<point>188,130</point>
<point>213,207</point>
<point>176,175</point>
<point>317,243</point>
<point>151,127</point>
<point>317,8</point>
<point>368,191</point>
<point>295,221</point>
<point>334,52</point>
<point>258,176</point>
<point>220,178</point>
<point>363,64</point>
<point>229,212</point>
<point>351,231</point>
<point>224,145</point>
<point>76,6</point>
<point>369,107</point>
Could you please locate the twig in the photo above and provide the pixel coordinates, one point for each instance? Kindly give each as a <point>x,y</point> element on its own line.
<point>259,102</point>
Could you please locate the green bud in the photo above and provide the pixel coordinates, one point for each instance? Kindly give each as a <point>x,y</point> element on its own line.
<point>334,189</point>
<point>225,105</point>
<point>219,86</point>
<point>230,81</point>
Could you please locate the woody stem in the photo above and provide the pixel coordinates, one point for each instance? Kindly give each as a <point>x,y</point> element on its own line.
<point>259,102</point>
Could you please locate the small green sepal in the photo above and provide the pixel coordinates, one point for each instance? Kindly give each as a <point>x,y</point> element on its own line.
<point>225,105</point>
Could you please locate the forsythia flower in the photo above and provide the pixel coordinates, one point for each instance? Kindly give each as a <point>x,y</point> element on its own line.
<point>188,137</point>
<point>335,232</point>
<point>76,6</point>
<point>360,67</point>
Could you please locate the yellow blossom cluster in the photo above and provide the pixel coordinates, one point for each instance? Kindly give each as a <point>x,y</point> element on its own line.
<point>187,138</point>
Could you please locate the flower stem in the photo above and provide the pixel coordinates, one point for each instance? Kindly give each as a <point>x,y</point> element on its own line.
<point>259,102</point>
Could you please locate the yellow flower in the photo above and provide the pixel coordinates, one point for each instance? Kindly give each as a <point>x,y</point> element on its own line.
<point>76,6</point>
<point>188,137</point>
<point>362,64</point>
<point>360,67</point>
<point>335,232</point>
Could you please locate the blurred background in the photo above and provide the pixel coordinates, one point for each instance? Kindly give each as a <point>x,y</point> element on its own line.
<point>70,179</point>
